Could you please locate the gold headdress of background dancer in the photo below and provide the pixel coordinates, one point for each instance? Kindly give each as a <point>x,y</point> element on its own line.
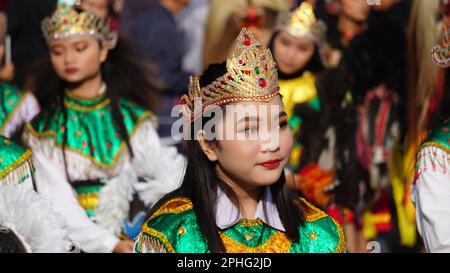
<point>68,22</point>
<point>302,22</point>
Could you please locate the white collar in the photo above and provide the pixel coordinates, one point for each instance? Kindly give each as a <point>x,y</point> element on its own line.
<point>227,214</point>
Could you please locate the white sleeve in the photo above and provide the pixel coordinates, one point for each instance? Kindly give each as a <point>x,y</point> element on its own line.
<point>26,111</point>
<point>431,197</point>
<point>51,183</point>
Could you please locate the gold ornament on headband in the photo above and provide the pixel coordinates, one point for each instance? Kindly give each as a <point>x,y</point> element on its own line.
<point>251,76</point>
<point>440,54</point>
<point>302,22</point>
<point>67,22</point>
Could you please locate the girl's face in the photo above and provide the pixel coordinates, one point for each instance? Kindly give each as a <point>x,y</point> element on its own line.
<point>77,59</point>
<point>357,10</point>
<point>292,53</point>
<point>97,7</point>
<point>259,146</point>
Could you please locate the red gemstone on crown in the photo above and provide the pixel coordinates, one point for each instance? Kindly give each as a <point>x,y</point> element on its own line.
<point>247,40</point>
<point>262,82</point>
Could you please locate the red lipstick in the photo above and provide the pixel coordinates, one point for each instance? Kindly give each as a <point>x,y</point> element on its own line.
<point>71,70</point>
<point>271,164</point>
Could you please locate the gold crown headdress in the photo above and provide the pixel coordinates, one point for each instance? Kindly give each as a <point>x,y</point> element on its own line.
<point>67,22</point>
<point>301,22</point>
<point>251,76</point>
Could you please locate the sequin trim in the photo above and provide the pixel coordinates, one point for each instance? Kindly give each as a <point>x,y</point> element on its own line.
<point>436,145</point>
<point>278,243</point>
<point>434,157</point>
<point>148,239</point>
<point>250,222</point>
<point>87,108</point>
<point>18,174</point>
<point>22,159</point>
<point>341,246</point>
<point>52,134</point>
<point>176,206</point>
<point>316,215</point>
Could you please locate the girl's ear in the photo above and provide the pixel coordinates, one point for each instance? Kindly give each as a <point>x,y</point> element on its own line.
<point>208,147</point>
<point>104,49</point>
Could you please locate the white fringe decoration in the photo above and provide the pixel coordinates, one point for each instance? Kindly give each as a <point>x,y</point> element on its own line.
<point>431,158</point>
<point>32,218</point>
<point>161,167</point>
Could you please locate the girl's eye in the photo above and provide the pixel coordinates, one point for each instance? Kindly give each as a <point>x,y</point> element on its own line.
<point>57,51</point>
<point>283,123</point>
<point>251,129</point>
<point>284,42</point>
<point>303,48</point>
<point>81,47</point>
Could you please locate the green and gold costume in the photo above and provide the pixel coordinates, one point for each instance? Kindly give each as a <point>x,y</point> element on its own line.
<point>439,138</point>
<point>174,228</point>
<point>94,148</point>
<point>16,108</point>
<point>96,162</point>
<point>15,163</point>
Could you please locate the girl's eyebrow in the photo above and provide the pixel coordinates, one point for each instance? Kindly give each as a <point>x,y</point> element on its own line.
<point>246,119</point>
<point>79,42</point>
<point>280,115</point>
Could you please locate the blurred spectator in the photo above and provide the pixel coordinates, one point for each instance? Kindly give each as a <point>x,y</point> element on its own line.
<point>226,19</point>
<point>158,32</point>
<point>24,26</point>
<point>130,11</point>
<point>193,19</point>
<point>345,19</point>
<point>396,11</point>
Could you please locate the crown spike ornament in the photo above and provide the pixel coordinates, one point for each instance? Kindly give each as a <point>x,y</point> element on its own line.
<point>67,22</point>
<point>302,22</point>
<point>251,76</point>
<point>440,53</point>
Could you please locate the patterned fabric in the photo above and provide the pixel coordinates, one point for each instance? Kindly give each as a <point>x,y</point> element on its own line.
<point>174,228</point>
<point>97,160</point>
<point>15,163</point>
<point>434,152</point>
<point>299,90</point>
<point>11,99</point>
<point>92,132</point>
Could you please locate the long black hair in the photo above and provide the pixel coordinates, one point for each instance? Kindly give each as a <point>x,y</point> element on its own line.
<point>126,74</point>
<point>10,242</point>
<point>201,182</point>
<point>315,64</point>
